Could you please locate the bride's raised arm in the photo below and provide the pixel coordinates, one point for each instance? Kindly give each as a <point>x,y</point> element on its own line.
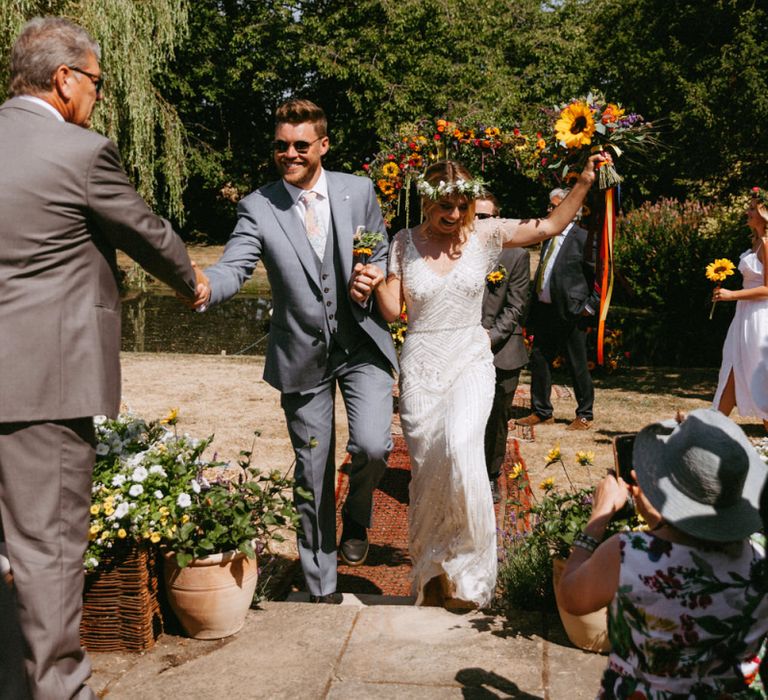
<point>529,231</point>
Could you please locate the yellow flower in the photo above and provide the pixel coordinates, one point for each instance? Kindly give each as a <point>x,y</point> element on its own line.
<point>517,470</point>
<point>585,457</point>
<point>95,509</point>
<point>122,534</point>
<point>548,484</point>
<point>575,126</point>
<point>554,454</point>
<point>172,418</point>
<point>95,528</point>
<point>720,269</point>
<point>391,170</point>
<point>495,276</point>
<point>154,538</point>
<point>108,510</point>
<point>185,518</point>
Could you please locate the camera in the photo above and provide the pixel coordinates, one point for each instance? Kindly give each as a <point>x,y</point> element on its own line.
<point>622,459</point>
<point>622,456</point>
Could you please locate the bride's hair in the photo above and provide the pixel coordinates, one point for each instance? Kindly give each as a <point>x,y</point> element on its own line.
<point>449,172</point>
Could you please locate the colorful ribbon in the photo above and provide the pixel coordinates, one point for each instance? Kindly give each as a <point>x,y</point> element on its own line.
<point>606,263</point>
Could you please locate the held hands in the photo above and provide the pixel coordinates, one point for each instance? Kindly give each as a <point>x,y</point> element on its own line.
<point>365,278</point>
<point>202,291</point>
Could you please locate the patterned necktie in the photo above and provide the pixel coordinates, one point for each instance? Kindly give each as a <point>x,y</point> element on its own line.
<point>315,231</point>
<point>554,243</point>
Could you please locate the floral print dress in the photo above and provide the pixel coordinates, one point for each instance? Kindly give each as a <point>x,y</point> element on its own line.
<point>686,623</point>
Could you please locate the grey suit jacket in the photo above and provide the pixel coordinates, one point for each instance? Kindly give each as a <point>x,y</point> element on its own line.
<point>66,204</point>
<point>268,229</point>
<point>504,309</point>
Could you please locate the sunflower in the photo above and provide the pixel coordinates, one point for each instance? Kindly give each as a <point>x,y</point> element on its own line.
<point>720,269</point>
<point>575,126</point>
<point>391,169</point>
<point>554,454</point>
<point>548,484</point>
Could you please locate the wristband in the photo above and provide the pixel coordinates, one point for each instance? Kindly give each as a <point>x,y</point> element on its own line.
<point>585,541</point>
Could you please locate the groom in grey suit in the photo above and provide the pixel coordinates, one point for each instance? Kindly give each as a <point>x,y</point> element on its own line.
<point>302,228</point>
<point>66,204</point>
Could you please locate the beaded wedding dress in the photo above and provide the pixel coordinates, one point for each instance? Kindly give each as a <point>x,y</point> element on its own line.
<point>745,341</point>
<point>446,391</point>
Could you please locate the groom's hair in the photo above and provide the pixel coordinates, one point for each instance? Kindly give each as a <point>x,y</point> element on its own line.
<point>44,44</point>
<point>300,111</point>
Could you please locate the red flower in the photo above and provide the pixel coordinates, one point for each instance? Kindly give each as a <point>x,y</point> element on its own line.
<point>366,166</point>
<point>412,146</point>
<point>437,137</point>
<point>390,157</point>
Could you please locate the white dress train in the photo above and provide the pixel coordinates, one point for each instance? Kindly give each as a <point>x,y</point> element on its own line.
<point>446,391</point>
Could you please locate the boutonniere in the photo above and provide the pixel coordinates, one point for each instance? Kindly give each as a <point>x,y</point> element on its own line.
<point>495,279</point>
<point>364,243</point>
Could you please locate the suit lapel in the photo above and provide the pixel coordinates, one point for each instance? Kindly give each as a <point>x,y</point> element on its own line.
<point>341,214</point>
<point>282,206</point>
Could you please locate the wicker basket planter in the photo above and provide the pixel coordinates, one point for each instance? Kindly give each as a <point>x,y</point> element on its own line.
<point>121,608</point>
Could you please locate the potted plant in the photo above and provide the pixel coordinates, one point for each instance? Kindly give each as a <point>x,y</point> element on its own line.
<point>153,486</point>
<point>219,527</point>
<point>536,559</point>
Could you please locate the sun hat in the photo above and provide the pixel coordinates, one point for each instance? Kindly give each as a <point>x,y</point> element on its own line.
<point>702,475</point>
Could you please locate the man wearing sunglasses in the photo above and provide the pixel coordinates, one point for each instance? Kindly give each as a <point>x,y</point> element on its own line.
<point>504,304</point>
<point>66,205</point>
<point>302,228</point>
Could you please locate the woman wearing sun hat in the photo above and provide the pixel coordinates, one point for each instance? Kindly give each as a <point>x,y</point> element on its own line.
<point>687,603</point>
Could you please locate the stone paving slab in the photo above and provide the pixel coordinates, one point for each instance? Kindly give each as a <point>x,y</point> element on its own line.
<point>360,649</point>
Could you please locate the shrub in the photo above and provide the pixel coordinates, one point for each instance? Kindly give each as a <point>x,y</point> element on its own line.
<point>661,253</point>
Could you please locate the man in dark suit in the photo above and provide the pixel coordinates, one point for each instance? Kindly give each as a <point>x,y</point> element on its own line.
<point>564,299</point>
<point>504,303</point>
<point>302,228</point>
<point>66,204</point>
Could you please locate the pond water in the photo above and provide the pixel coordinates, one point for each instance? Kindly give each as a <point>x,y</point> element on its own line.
<point>161,323</point>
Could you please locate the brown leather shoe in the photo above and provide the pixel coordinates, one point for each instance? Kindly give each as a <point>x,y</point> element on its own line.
<point>579,423</point>
<point>533,419</point>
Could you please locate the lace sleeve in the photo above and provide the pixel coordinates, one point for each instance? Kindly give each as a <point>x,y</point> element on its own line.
<point>396,253</point>
<point>493,234</point>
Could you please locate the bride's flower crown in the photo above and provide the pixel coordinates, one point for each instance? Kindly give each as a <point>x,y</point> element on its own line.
<point>760,195</point>
<point>469,188</point>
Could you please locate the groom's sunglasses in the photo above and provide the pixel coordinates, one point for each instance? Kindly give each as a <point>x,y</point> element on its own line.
<point>298,146</point>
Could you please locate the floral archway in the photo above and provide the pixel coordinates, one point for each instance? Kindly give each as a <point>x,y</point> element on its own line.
<point>477,144</point>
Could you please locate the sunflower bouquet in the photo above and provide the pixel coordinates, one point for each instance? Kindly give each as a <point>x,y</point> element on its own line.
<point>717,272</point>
<point>588,125</point>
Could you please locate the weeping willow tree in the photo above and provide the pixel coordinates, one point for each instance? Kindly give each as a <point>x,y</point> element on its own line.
<point>137,41</point>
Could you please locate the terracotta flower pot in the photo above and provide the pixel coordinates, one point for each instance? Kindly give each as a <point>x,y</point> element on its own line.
<point>588,632</point>
<point>211,596</point>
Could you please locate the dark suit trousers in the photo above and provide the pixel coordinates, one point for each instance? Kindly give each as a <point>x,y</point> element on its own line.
<point>551,335</point>
<point>498,422</point>
<point>45,498</point>
<point>365,381</point>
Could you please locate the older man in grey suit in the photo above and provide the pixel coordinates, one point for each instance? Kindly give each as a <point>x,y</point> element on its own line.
<point>302,228</point>
<point>65,206</point>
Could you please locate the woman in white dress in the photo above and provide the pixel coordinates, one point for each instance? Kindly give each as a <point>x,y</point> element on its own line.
<point>747,336</point>
<point>447,376</point>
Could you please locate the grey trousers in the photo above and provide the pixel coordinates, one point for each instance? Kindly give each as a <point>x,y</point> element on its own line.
<point>365,384</point>
<point>45,496</point>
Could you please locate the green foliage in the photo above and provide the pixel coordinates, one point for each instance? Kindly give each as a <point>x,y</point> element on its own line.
<point>662,251</point>
<point>525,577</point>
<point>150,484</point>
<point>137,42</point>
<point>233,514</point>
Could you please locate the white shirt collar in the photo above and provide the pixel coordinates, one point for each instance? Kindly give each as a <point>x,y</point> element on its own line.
<point>43,103</point>
<point>321,187</point>
<point>567,229</point>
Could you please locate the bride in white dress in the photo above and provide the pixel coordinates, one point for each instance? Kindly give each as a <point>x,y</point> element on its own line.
<point>447,376</point>
<point>747,335</point>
